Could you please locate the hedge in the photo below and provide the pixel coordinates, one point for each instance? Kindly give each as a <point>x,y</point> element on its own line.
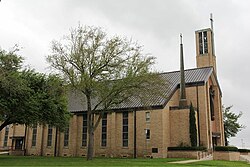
<point>225,148</point>
<point>187,148</point>
<point>244,150</point>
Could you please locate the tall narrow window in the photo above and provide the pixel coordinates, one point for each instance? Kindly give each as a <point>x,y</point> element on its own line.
<point>200,43</point>
<point>84,129</point>
<point>147,116</point>
<point>125,129</point>
<point>211,93</point>
<point>6,135</point>
<point>147,132</point>
<point>104,131</point>
<point>34,133</point>
<point>50,131</point>
<point>203,42</point>
<point>66,137</point>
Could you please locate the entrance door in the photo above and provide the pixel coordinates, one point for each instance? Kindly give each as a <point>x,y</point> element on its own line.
<point>19,144</point>
<point>214,141</point>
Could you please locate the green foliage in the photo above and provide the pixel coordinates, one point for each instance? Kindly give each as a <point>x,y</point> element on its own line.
<point>28,97</point>
<point>10,61</point>
<point>231,123</point>
<point>244,150</point>
<point>192,126</point>
<point>225,148</point>
<point>106,70</point>
<point>187,148</point>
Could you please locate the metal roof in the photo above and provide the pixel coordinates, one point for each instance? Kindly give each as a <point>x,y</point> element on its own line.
<point>77,101</point>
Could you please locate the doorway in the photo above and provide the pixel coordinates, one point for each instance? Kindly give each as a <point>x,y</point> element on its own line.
<point>19,144</point>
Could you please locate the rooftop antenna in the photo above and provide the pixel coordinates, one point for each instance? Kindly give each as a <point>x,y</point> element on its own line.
<point>211,21</point>
<point>212,28</point>
<point>181,37</point>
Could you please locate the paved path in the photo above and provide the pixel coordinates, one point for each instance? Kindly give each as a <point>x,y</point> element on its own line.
<point>187,161</point>
<point>4,152</point>
<point>242,158</point>
<point>210,157</point>
<point>245,158</point>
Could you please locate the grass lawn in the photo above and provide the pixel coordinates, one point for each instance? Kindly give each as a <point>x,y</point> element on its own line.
<point>77,161</point>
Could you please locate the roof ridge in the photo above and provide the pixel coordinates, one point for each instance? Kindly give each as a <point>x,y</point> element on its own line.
<point>190,69</point>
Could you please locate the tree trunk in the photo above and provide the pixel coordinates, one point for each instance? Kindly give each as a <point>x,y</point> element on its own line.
<point>90,152</point>
<point>90,119</point>
<point>5,123</point>
<point>226,141</point>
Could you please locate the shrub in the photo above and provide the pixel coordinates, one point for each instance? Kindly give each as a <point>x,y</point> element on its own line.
<point>187,148</point>
<point>244,150</point>
<point>192,127</point>
<point>225,148</point>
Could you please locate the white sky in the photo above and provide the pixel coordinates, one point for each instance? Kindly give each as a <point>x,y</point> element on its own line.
<point>155,24</point>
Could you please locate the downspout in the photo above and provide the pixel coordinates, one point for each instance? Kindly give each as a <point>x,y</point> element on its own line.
<point>198,115</point>
<point>135,134</point>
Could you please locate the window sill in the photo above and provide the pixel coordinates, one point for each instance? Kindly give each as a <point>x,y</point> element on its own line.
<point>83,147</point>
<point>103,147</point>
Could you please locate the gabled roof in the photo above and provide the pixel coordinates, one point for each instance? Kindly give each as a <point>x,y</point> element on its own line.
<point>197,76</point>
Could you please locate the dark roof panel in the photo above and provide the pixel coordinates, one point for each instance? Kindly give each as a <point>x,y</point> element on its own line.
<point>192,76</point>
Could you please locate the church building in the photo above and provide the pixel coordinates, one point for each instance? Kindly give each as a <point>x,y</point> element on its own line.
<point>135,129</point>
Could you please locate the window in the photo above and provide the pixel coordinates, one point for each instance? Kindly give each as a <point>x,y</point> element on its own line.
<point>125,129</point>
<point>6,135</point>
<point>147,116</point>
<point>104,130</point>
<point>203,42</point>
<point>211,94</point>
<point>34,133</point>
<point>84,130</point>
<point>154,150</point>
<point>147,134</point>
<point>50,131</point>
<point>66,137</point>
<point>200,43</point>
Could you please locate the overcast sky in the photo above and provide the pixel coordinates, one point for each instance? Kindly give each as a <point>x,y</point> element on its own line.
<point>155,24</point>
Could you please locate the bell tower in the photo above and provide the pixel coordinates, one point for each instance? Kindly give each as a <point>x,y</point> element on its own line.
<point>205,51</point>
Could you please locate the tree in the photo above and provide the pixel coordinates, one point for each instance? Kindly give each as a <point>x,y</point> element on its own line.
<point>28,97</point>
<point>231,124</point>
<point>106,71</point>
<point>192,127</point>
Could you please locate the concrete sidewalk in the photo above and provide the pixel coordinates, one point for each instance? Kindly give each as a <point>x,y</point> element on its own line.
<point>245,158</point>
<point>187,161</point>
<point>4,152</point>
<point>242,158</point>
<point>208,158</point>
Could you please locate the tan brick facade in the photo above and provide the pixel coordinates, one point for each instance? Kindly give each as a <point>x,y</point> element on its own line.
<point>168,127</point>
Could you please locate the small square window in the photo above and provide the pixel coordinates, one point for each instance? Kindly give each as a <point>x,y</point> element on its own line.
<point>154,150</point>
